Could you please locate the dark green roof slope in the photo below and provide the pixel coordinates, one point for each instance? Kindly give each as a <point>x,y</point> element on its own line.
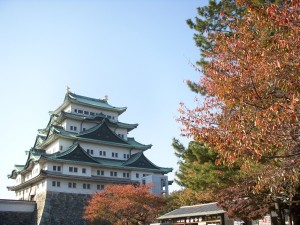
<point>74,153</point>
<point>103,133</point>
<point>194,210</point>
<point>96,118</point>
<point>139,160</point>
<point>87,101</point>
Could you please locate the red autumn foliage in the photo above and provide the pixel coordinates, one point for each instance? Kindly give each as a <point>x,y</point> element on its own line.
<point>251,111</point>
<point>124,205</point>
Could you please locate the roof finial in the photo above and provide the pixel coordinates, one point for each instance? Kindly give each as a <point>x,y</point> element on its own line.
<point>68,90</point>
<point>105,98</point>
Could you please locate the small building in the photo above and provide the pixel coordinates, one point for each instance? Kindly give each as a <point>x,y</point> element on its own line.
<point>204,214</point>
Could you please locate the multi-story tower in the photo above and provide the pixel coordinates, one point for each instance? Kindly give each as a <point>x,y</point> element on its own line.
<point>83,148</point>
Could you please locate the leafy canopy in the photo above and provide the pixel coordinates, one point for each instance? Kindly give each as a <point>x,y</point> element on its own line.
<point>124,205</point>
<point>250,114</point>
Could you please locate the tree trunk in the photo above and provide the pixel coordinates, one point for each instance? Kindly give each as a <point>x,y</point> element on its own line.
<point>280,215</point>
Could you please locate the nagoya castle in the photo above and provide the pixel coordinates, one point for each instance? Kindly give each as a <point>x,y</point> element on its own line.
<point>83,148</point>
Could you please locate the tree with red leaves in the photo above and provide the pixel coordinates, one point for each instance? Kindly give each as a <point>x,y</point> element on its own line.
<point>124,205</point>
<point>251,111</point>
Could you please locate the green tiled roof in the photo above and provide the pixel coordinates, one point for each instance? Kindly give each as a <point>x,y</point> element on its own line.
<point>93,102</point>
<point>103,133</point>
<point>96,118</point>
<point>74,153</point>
<point>100,133</point>
<point>19,167</point>
<point>141,161</point>
<point>77,154</point>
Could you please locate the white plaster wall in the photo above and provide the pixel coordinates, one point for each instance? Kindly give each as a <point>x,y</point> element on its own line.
<point>94,171</point>
<point>109,149</point>
<point>55,146</point>
<point>68,109</point>
<point>27,176</point>
<point>134,151</point>
<point>88,125</point>
<point>65,170</point>
<point>70,122</point>
<point>41,186</point>
<point>16,206</point>
<point>114,115</point>
<point>156,180</point>
<point>19,179</point>
<point>121,131</point>
<point>51,164</point>
<point>64,186</point>
<point>64,125</point>
<point>35,170</point>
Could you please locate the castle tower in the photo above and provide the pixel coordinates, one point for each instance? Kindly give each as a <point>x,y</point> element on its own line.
<point>82,149</point>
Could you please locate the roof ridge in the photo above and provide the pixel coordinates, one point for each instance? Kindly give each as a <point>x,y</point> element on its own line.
<point>187,206</point>
<point>89,98</point>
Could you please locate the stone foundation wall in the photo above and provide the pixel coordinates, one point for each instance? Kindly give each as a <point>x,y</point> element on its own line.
<point>16,218</point>
<point>55,208</point>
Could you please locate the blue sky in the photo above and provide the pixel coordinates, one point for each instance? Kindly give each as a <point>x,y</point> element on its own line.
<point>136,52</point>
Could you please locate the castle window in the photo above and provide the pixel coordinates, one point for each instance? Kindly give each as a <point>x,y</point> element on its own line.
<point>55,183</point>
<point>61,148</point>
<point>126,156</point>
<point>92,152</point>
<point>137,175</point>
<point>113,174</point>
<point>56,168</point>
<point>86,186</point>
<point>100,172</point>
<point>71,127</point>
<point>71,185</point>
<point>112,154</point>
<point>73,169</point>
<point>83,129</point>
<point>100,152</point>
<point>75,128</point>
<point>80,111</point>
<point>75,110</point>
<point>100,186</point>
<point>126,175</point>
<point>83,170</point>
<point>104,153</point>
<point>92,113</point>
<point>86,113</point>
<point>144,182</point>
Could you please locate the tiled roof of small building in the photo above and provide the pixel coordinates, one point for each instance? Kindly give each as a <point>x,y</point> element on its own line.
<point>194,210</point>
